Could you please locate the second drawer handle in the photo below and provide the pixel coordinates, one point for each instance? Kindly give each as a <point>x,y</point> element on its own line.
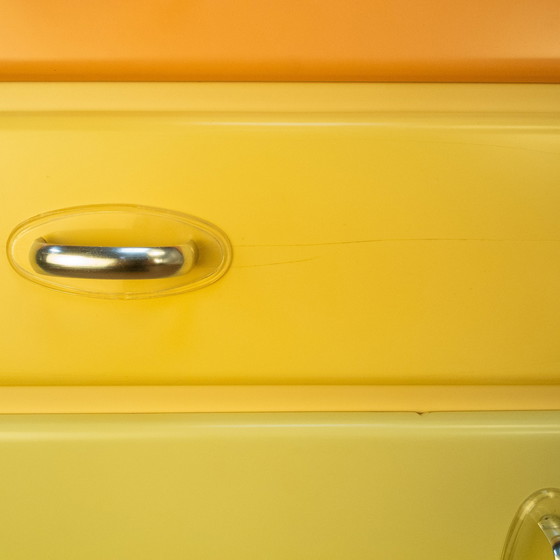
<point>539,514</point>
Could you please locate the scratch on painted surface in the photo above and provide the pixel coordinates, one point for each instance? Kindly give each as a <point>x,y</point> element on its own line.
<point>397,240</point>
<point>275,263</point>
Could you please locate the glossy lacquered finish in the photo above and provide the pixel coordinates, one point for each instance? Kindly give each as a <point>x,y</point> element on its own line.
<point>275,486</point>
<point>292,40</point>
<point>381,235</point>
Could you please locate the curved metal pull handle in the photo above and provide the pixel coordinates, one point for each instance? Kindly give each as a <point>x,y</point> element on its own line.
<point>112,263</point>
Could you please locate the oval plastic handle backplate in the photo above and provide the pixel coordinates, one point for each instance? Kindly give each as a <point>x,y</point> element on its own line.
<point>121,225</point>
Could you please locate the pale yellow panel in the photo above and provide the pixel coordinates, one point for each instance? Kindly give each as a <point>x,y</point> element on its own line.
<point>390,246</point>
<point>274,486</point>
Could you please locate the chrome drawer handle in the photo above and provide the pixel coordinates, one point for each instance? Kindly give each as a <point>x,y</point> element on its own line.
<point>112,263</point>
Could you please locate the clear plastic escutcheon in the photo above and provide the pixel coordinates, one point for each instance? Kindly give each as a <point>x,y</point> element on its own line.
<point>119,251</point>
<point>534,533</point>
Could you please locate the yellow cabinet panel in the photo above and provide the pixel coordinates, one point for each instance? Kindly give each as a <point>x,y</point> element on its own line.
<point>381,234</point>
<point>276,486</point>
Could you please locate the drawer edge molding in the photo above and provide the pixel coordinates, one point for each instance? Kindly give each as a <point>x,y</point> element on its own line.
<point>276,398</point>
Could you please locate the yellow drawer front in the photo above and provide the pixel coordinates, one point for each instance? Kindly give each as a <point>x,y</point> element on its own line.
<point>275,486</point>
<point>381,234</point>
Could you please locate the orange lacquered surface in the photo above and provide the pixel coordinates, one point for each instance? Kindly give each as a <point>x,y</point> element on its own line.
<point>331,40</point>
